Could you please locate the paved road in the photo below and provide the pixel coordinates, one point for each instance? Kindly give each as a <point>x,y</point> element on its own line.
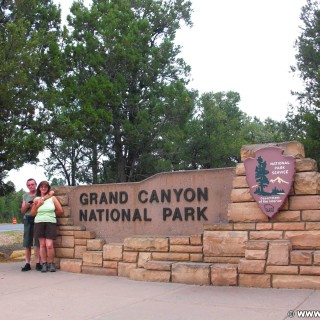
<point>34,295</point>
<point>10,227</point>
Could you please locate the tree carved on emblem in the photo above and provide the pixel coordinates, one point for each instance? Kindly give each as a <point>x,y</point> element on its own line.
<point>261,176</point>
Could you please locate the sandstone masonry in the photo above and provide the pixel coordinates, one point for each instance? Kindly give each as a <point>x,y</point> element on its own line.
<point>250,250</point>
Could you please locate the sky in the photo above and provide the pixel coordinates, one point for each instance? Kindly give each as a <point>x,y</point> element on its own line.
<point>245,46</point>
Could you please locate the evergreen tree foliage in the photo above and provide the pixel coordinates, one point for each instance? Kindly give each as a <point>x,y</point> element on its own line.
<point>28,30</point>
<point>304,119</point>
<point>123,91</point>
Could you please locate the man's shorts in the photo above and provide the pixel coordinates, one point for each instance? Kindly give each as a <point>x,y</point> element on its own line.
<point>46,230</point>
<point>28,234</point>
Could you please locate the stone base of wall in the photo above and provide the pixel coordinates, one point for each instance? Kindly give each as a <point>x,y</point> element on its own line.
<point>251,250</point>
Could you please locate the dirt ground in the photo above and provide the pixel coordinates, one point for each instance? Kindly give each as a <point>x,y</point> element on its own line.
<point>9,242</point>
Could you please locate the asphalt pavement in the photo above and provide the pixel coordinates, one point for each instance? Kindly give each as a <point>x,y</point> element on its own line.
<point>5,227</point>
<point>34,295</point>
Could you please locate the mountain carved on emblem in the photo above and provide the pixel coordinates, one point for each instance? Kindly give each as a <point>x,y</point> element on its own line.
<point>278,180</point>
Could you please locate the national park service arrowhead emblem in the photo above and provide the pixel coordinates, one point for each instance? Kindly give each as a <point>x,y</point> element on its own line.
<point>270,176</point>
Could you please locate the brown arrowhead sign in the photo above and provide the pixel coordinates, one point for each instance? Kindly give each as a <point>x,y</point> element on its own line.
<point>270,176</point>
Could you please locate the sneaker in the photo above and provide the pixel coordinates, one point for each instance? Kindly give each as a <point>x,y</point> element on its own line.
<point>44,267</point>
<point>27,267</point>
<point>38,266</point>
<point>52,267</point>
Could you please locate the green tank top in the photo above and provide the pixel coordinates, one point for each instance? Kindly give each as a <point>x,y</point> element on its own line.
<point>46,212</point>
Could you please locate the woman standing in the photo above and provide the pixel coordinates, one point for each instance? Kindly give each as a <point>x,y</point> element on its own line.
<point>45,224</point>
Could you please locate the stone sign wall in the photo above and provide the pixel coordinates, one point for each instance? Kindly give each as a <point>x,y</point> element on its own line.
<point>242,246</point>
<point>177,203</point>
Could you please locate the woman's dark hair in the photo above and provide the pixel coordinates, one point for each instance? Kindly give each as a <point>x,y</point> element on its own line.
<point>46,183</point>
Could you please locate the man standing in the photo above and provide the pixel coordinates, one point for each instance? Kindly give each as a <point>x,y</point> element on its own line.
<point>28,222</point>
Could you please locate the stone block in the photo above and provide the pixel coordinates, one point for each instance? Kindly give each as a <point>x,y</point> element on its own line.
<point>71,228</point>
<point>311,215</point>
<point>110,264</point>
<point>239,182</point>
<point>130,256</point>
<point>113,251</point>
<point>191,273</point>
<point>311,270</point>
<point>149,275</point>
<point>196,240</point>
<point>263,226</point>
<point>257,245</point>
<point>306,164</point>
<point>265,235</point>
<point>158,265</point>
<point>245,212</point>
<point>66,212</point>
<point>67,241</point>
<point>251,266</point>
<point>179,240</point>
<point>92,258</point>
<point>282,269</point>
<point>240,169</point>
<point>290,148</point>
<point>95,244</point>
<point>124,268</point>
<point>301,257</point>
<point>79,251</point>
<point>71,265</point>
<point>185,248</point>
<point>80,242</point>
<point>224,243</point>
<point>296,281</point>
<point>224,275</point>
<point>84,234</point>
<point>63,199</point>
<point>170,256</point>
<point>146,244</point>
<point>308,240</point>
<point>241,195</point>
<point>64,233</point>
<point>219,227</point>
<point>99,271</point>
<point>304,202</point>
<point>286,216</point>
<point>232,260</point>
<point>64,252</point>
<point>316,258</point>
<point>244,226</point>
<point>288,226</point>
<point>278,253</point>
<point>196,257</point>
<point>313,226</point>
<point>255,280</point>
<point>143,258</point>
<point>64,221</point>
<point>256,254</point>
<point>307,183</point>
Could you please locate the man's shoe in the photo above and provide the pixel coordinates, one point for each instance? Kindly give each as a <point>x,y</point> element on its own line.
<point>52,267</point>
<point>44,267</point>
<point>38,266</point>
<point>27,267</point>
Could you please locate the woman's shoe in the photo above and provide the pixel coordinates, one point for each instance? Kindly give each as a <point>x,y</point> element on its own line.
<point>52,267</point>
<point>44,267</point>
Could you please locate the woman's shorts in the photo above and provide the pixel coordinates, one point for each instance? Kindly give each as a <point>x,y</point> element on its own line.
<point>46,230</point>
